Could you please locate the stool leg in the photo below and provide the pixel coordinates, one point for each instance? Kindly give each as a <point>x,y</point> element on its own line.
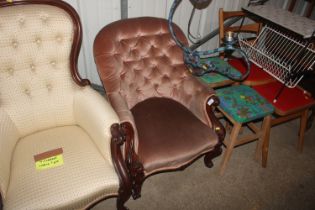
<point>263,142</point>
<point>227,126</point>
<point>303,123</point>
<point>262,135</point>
<point>230,146</point>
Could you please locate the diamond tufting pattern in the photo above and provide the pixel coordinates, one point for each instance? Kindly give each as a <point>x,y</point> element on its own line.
<point>137,59</point>
<point>148,64</point>
<point>38,78</point>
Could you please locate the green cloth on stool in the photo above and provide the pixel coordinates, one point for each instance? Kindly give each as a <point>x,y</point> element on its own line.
<point>212,77</point>
<point>243,103</point>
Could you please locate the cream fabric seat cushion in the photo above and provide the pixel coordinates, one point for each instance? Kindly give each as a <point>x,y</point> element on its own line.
<point>84,177</point>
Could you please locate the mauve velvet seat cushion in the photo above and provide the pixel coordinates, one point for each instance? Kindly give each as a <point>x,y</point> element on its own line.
<point>169,134</point>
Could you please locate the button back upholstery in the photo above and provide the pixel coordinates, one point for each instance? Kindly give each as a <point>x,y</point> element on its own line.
<point>35,80</point>
<point>146,81</point>
<point>44,105</point>
<point>138,59</point>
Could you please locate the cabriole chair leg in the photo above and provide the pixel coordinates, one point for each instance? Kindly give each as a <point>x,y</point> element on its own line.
<point>123,197</point>
<point>211,155</point>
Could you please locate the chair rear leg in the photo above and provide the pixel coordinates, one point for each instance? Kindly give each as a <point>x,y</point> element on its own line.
<point>310,119</point>
<point>302,130</point>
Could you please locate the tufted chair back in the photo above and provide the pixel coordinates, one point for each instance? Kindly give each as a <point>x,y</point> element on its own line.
<point>35,78</point>
<point>139,59</point>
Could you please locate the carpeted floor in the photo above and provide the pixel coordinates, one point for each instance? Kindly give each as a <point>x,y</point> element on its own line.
<point>288,182</point>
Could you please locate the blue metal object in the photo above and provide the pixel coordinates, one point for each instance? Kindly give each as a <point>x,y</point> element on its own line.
<point>192,57</point>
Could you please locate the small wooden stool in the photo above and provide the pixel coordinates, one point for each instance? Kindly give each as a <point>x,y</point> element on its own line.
<point>242,105</point>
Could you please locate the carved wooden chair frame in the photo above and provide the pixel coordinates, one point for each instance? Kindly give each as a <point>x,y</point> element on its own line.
<point>124,133</point>
<point>124,191</point>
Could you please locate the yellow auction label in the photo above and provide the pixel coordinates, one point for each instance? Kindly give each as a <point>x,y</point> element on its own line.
<point>50,162</point>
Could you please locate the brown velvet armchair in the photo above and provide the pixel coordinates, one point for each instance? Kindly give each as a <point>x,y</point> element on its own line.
<point>149,87</point>
<point>49,116</point>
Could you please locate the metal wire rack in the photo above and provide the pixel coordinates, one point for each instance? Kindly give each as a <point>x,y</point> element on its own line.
<point>282,56</point>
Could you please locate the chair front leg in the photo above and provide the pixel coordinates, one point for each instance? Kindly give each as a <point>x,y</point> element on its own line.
<point>217,151</point>
<point>124,192</point>
<point>216,124</point>
<point>218,129</point>
<point>134,167</point>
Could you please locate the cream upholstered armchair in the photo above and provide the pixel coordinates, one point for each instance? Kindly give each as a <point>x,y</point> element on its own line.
<point>56,146</point>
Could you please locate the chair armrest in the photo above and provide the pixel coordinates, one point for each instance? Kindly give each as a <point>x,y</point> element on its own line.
<point>9,135</point>
<point>131,170</point>
<point>218,128</point>
<point>200,95</point>
<point>202,104</point>
<point>198,104</point>
<point>128,130</point>
<point>94,114</point>
<point>120,106</point>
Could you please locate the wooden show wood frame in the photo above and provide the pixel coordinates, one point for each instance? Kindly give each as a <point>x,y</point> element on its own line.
<point>121,169</point>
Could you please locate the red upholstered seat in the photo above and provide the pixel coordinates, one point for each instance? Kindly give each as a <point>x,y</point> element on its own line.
<point>257,75</point>
<point>289,101</point>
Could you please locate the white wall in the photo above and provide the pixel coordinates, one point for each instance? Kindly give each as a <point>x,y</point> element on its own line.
<point>204,21</point>
<point>97,13</point>
<point>94,15</point>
